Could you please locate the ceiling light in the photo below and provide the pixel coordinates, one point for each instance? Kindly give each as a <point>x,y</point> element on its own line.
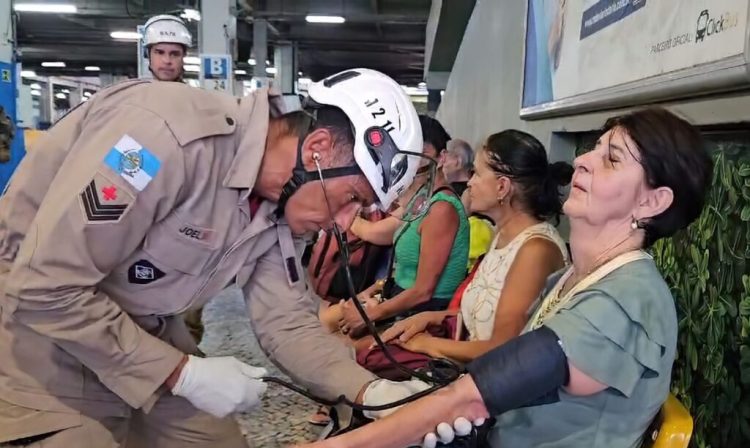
<point>422,85</point>
<point>299,73</point>
<point>36,93</point>
<point>240,72</point>
<point>191,14</point>
<point>28,74</point>
<point>87,93</point>
<point>85,98</point>
<point>304,81</point>
<point>65,90</point>
<point>92,68</point>
<point>125,35</point>
<point>36,86</point>
<point>56,64</point>
<point>251,61</point>
<point>268,62</point>
<point>195,60</point>
<point>312,18</point>
<point>193,68</point>
<point>46,7</point>
<point>60,96</point>
<point>271,70</point>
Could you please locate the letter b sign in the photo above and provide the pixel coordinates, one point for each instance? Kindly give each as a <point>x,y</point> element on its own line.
<point>216,67</point>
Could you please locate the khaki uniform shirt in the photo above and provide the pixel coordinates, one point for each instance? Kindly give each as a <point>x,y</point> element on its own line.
<point>135,207</point>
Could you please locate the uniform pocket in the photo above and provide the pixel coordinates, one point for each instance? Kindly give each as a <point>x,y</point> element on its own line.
<point>169,245</point>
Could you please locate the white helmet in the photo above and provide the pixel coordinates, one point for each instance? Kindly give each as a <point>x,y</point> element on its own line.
<point>166,29</point>
<point>384,121</point>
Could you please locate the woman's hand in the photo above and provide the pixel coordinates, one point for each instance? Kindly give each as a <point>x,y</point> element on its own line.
<point>351,322</point>
<point>406,329</point>
<point>367,301</point>
<point>419,343</point>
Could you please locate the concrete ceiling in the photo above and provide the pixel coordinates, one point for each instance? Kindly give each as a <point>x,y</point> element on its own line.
<point>387,35</point>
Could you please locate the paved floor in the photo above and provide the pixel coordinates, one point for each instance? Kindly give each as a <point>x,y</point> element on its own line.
<point>282,419</point>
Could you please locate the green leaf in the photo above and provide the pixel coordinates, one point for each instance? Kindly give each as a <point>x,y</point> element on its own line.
<point>733,197</point>
<point>745,364</point>
<point>695,256</point>
<point>704,264</point>
<point>745,215</point>
<point>744,170</point>
<point>693,358</point>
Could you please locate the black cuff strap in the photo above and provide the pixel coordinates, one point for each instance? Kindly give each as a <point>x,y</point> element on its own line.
<point>525,371</point>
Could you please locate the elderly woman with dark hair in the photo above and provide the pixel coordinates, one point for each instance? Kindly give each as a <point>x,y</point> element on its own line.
<point>593,365</point>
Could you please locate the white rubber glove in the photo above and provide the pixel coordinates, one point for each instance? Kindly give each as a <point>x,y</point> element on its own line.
<point>446,433</point>
<point>386,391</point>
<point>220,385</point>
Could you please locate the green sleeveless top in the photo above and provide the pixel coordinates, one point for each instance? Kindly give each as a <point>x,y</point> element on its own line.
<point>408,242</point>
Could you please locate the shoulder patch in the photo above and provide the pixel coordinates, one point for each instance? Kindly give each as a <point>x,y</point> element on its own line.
<point>134,163</point>
<point>104,201</point>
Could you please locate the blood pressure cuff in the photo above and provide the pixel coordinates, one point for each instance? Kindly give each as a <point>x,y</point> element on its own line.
<point>525,371</point>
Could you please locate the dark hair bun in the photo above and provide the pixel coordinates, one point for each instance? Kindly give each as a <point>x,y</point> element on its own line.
<point>560,173</point>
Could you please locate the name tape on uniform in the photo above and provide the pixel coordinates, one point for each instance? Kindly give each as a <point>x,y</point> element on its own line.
<point>134,163</point>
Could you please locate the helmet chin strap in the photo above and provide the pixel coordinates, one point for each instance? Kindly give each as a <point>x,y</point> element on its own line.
<point>301,176</point>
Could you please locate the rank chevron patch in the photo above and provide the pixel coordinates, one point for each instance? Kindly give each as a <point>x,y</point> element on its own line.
<point>103,201</point>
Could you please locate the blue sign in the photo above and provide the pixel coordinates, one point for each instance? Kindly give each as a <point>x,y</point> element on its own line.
<point>8,92</point>
<point>606,12</point>
<point>215,67</point>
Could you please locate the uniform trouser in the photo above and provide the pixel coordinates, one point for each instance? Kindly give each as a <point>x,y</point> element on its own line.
<point>171,423</point>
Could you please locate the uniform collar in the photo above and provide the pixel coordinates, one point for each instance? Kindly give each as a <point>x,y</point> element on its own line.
<point>250,141</point>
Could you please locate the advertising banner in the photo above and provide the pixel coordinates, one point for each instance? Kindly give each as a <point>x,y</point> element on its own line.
<point>577,48</point>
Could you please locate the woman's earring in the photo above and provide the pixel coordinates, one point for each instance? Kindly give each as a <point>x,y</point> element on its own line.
<point>500,201</point>
<point>634,224</point>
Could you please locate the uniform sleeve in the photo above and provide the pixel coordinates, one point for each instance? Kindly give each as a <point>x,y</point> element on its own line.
<point>602,340</point>
<point>285,320</point>
<point>123,173</point>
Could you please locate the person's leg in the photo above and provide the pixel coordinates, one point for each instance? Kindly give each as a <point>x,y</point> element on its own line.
<point>63,430</point>
<point>175,423</point>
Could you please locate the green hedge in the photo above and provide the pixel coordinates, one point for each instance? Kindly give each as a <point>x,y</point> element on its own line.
<point>707,269</point>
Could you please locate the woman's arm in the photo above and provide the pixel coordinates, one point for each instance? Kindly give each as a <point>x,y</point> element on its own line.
<point>409,424</point>
<point>517,374</point>
<point>438,231</point>
<point>536,260</point>
<point>377,232</point>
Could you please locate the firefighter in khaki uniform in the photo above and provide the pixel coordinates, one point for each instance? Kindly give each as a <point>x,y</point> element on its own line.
<point>166,40</point>
<point>145,202</point>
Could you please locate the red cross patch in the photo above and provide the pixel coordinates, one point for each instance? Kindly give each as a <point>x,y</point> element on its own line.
<point>109,193</point>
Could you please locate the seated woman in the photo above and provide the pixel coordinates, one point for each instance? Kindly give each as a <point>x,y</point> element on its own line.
<point>431,255</point>
<point>515,186</point>
<point>594,363</point>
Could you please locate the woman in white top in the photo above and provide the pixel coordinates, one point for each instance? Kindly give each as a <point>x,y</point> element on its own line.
<point>515,185</point>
